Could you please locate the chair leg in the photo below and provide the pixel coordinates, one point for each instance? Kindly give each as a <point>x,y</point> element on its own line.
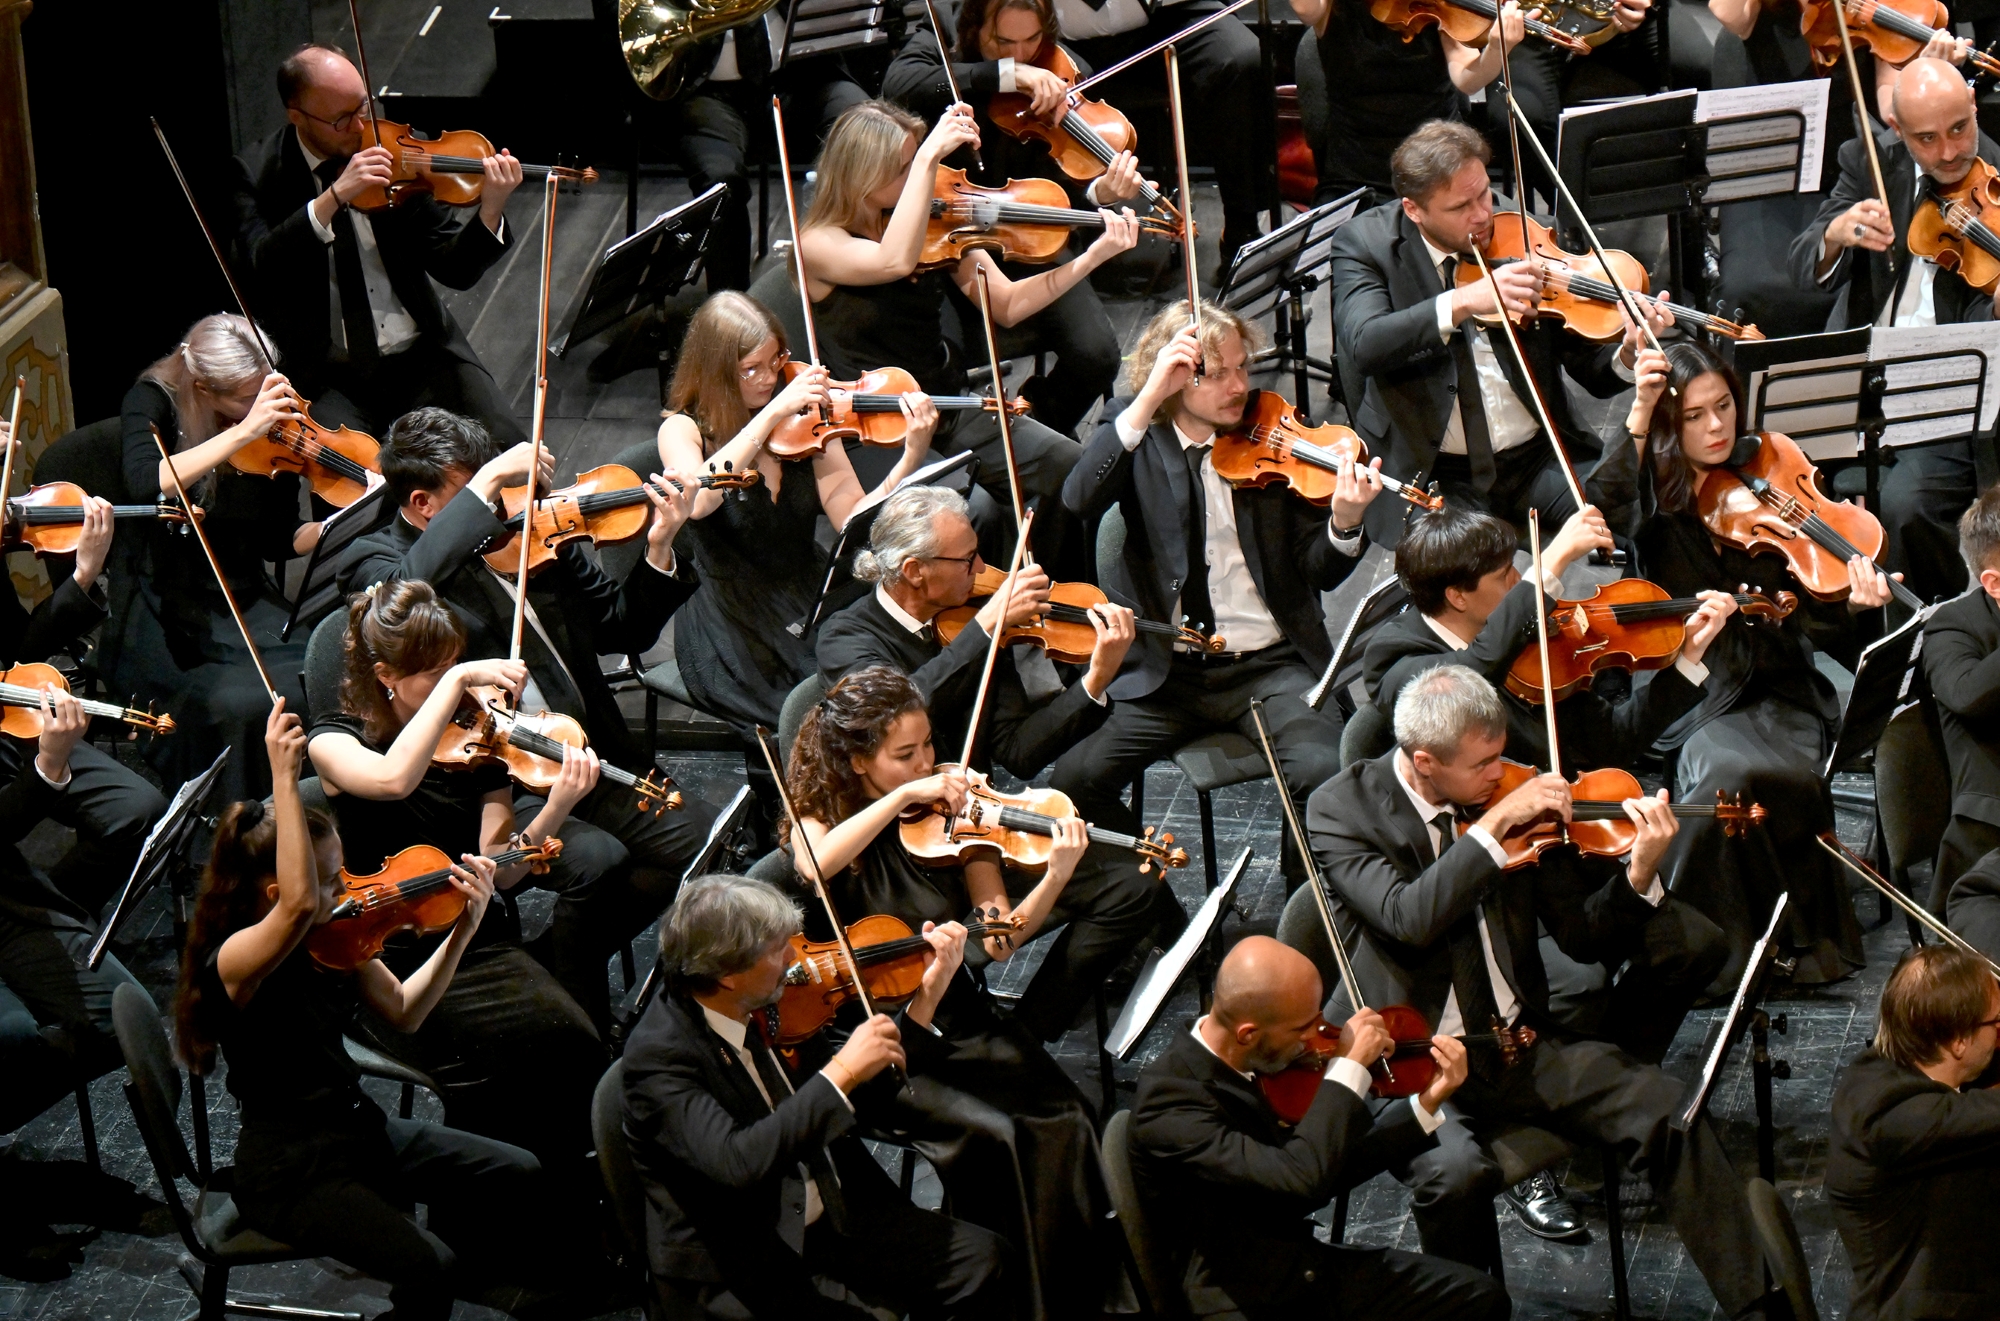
<point>1139,796</point>
<point>1339,1234</point>
<point>908,1178</point>
<point>198,1115</point>
<point>652,727</point>
<point>408,1102</point>
<point>1107,1077</point>
<point>625,966</point>
<point>214,1292</point>
<point>86,1126</point>
<point>1208,872</point>
<point>1614,1228</point>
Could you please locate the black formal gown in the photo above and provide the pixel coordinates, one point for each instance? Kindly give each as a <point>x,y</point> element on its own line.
<point>1379,88</point>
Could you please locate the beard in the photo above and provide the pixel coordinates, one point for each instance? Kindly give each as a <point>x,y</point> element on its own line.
<point>1273,1058</point>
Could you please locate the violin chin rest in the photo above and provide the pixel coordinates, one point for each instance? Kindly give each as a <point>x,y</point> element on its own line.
<point>1746,449</point>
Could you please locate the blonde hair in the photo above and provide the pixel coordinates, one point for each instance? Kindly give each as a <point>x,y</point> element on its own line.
<point>1216,323</point>
<point>707,382</point>
<point>863,152</point>
<point>219,353</point>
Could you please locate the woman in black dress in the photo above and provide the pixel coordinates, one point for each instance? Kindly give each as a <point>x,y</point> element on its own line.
<point>741,642</point>
<point>1000,1119</point>
<point>317,1163</point>
<point>515,1056</point>
<point>170,639</point>
<point>1769,716</point>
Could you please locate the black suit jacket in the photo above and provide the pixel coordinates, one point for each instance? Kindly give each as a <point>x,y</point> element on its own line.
<point>1226,1182</point>
<point>1861,287</point>
<point>421,240</point>
<point>1594,732</point>
<point>1376,855</point>
<point>1020,735</point>
<point>586,613</point>
<point>1962,663</point>
<point>1910,1172</point>
<point>1285,542</point>
<point>1384,317</point>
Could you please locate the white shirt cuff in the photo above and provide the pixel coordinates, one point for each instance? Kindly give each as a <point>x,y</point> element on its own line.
<point>1654,894</point>
<point>1694,672</point>
<point>1487,842</point>
<point>1619,369</point>
<point>836,1090</point>
<point>325,232</point>
<point>1348,546</point>
<point>1820,256</point>
<point>1105,700</point>
<point>1428,1122</point>
<point>1445,325</point>
<point>1127,436</point>
<point>500,230</point>
<point>1007,74</point>
<point>57,785</point>
<point>1350,1075</point>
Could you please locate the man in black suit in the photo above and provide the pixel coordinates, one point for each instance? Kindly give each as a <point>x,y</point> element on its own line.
<point>1247,564</point>
<point>754,1178</point>
<point>1915,1152</point>
<point>1962,664</point>
<point>619,863</point>
<point>1443,928</point>
<point>1231,1189</point>
<point>1861,251</point>
<point>923,556</point>
<point>348,292</point>
<point>1411,349</point>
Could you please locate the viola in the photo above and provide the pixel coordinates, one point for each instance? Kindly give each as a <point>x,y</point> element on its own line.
<point>607,505</point>
<point>1063,629</point>
<point>1598,824</point>
<point>1629,624</point>
<point>892,959</point>
<point>1773,503</point>
<point>1468,22</point>
<point>450,167</point>
<point>412,892</point>
<point>1024,220</point>
<point>1272,445</point>
<point>1404,1071</point>
<point>1082,137</point>
<point>1960,229</point>
<point>21,704</point>
<point>531,748</point>
<point>1896,30</point>
<point>48,519</point>
<point>867,410</point>
<point>1020,827</point>
<point>1575,291</point>
<point>339,463</point>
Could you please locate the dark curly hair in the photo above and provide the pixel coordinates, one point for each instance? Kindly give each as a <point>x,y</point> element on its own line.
<point>852,720</point>
<point>972,16</point>
<point>1675,481</point>
<point>403,625</point>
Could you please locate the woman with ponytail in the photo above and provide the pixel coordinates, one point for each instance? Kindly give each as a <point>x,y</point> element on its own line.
<point>318,1165</point>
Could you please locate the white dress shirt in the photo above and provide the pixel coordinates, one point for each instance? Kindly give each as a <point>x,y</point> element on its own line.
<point>726,69</point>
<point>1079,22</point>
<point>1912,303</point>
<point>1342,1070</point>
<point>1510,421</point>
<point>395,328</point>
<point>738,1035</point>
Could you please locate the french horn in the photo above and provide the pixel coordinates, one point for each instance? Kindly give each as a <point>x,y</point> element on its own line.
<point>656,36</point>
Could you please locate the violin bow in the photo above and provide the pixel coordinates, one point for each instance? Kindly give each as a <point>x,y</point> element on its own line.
<point>549,189</point>
<point>950,78</point>
<point>215,248</point>
<point>798,249</point>
<point>1187,202</point>
<point>13,444</point>
<point>1542,637</point>
<point>979,260</point>
<point>1916,912</point>
<point>993,647</point>
<point>1867,124</point>
<point>214,566</point>
<point>367,85</point>
<point>1528,375</point>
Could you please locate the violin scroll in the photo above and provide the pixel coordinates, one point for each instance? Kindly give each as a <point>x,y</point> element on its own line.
<point>1159,850</point>
<point>1735,815</point>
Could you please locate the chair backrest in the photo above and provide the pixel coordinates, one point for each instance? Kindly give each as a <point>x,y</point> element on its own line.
<point>614,1161</point>
<point>793,714</point>
<point>1783,1250</point>
<point>1315,111</point>
<point>1912,786</point>
<point>779,294</point>
<point>313,794</point>
<point>774,867</point>
<point>1110,543</point>
<point>1162,1290</point>
<point>92,456</point>
<point>324,661</point>
<point>155,1089</point>
<point>1366,734</point>
<point>1301,927</point>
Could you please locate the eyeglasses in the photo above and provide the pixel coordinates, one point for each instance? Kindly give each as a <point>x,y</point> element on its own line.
<point>775,367</point>
<point>966,560</point>
<point>342,124</point>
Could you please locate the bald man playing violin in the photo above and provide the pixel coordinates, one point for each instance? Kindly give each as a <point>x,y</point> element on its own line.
<point>1229,1188</point>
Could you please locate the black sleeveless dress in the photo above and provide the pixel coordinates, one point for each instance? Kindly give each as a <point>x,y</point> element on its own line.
<point>1379,88</point>
<point>862,327</point>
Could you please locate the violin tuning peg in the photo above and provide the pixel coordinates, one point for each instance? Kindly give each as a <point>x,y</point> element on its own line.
<point>1145,869</point>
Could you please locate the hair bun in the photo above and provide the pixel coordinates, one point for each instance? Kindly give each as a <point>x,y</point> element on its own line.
<point>249,814</point>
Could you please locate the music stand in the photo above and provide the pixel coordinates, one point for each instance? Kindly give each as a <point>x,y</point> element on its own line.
<point>1163,970</point>
<point>159,855</point>
<point>1883,681</point>
<point>643,270</point>
<point>1274,274</point>
<point>319,590</point>
<point>1749,991</point>
<point>826,27</point>
<point>1384,601</point>
<point>958,472</point>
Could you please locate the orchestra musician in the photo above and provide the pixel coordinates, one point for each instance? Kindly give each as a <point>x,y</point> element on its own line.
<point>1248,564</point>
<point>513,1055</point>
<point>171,639</point>
<point>1857,249</point>
<point>349,292</point>
<point>619,863</point>
<point>922,558</point>
<point>753,1172</point>
<point>1961,643</point>
<point>860,240</point>
<point>318,1165</point>
<point>741,641</point>
<point>1911,1162</point>
<point>1005,1125</point>
<point>1413,346</point>
<point>1411,845</point>
<point>996,49</point>
<point>1229,1184</point>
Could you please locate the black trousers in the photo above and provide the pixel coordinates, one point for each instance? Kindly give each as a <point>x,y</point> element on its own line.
<point>916,1262</point>
<point>55,1016</point>
<point>1639,1006</point>
<point>1974,907</point>
<point>424,375</point>
<point>1526,476</point>
<point>1965,842</point>
<point>1078,331</point>
<point>1923,493</point>
<point>1107,908</point>
<point>110,807</point>
<point>1588,1091</point>
<point>715,129</point>
<point>1383,1284</point>
<point>480,1194</point>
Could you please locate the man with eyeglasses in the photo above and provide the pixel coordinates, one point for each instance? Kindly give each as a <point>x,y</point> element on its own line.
<point>348,294</point>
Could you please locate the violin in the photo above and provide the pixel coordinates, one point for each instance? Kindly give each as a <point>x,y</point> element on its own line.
<point>892,959</point>
<point>1773,503</point>
<point>339,464</point>
<point>606,505</point>
<point>1083,138</point>
<point>1896,30</point>
<point>48,519</point>
<point>21,704</point>
<point>1957,231</point>
<point>1574,290</point>
<point>412,892</point>
<point>1629,624</point>
<point>1468,22</point>
<point>1598,824</point>
<point>1024,220</point>
<point>450,167</point>
<point>1063,629</point>
<point>867,410</point>
<point>1272,445</point>
<point>1405,1070</point>
<point>1019,827</point>
<point>531,748</point>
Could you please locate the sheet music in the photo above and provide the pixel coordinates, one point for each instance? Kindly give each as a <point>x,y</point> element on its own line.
<point>1156,980</point>
<point>1808,97</point>
<point>1944,357</point>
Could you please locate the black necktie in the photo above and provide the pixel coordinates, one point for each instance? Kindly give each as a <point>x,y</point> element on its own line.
<point>357,318</point>
<point>753,52</point>
<point>1471,404</point>
<point>817,1163</point>
<point>1196,607</point>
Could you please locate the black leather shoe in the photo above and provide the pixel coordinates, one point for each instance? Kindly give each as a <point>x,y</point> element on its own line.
<point>1544,1209</point>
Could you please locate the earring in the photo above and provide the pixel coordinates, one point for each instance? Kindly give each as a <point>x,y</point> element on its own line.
<point>388,692</point>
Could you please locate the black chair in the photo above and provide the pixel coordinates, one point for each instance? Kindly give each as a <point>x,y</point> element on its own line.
<point>1160,1293</point>
<point>216,1239</point>
<point>614,1162</point>
<point>92,456</point>
<point>1367,734</point>
<point>798,704</point>
<point>1783,1252</point>
<point>325,660</point>
<point>1912,799</point>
